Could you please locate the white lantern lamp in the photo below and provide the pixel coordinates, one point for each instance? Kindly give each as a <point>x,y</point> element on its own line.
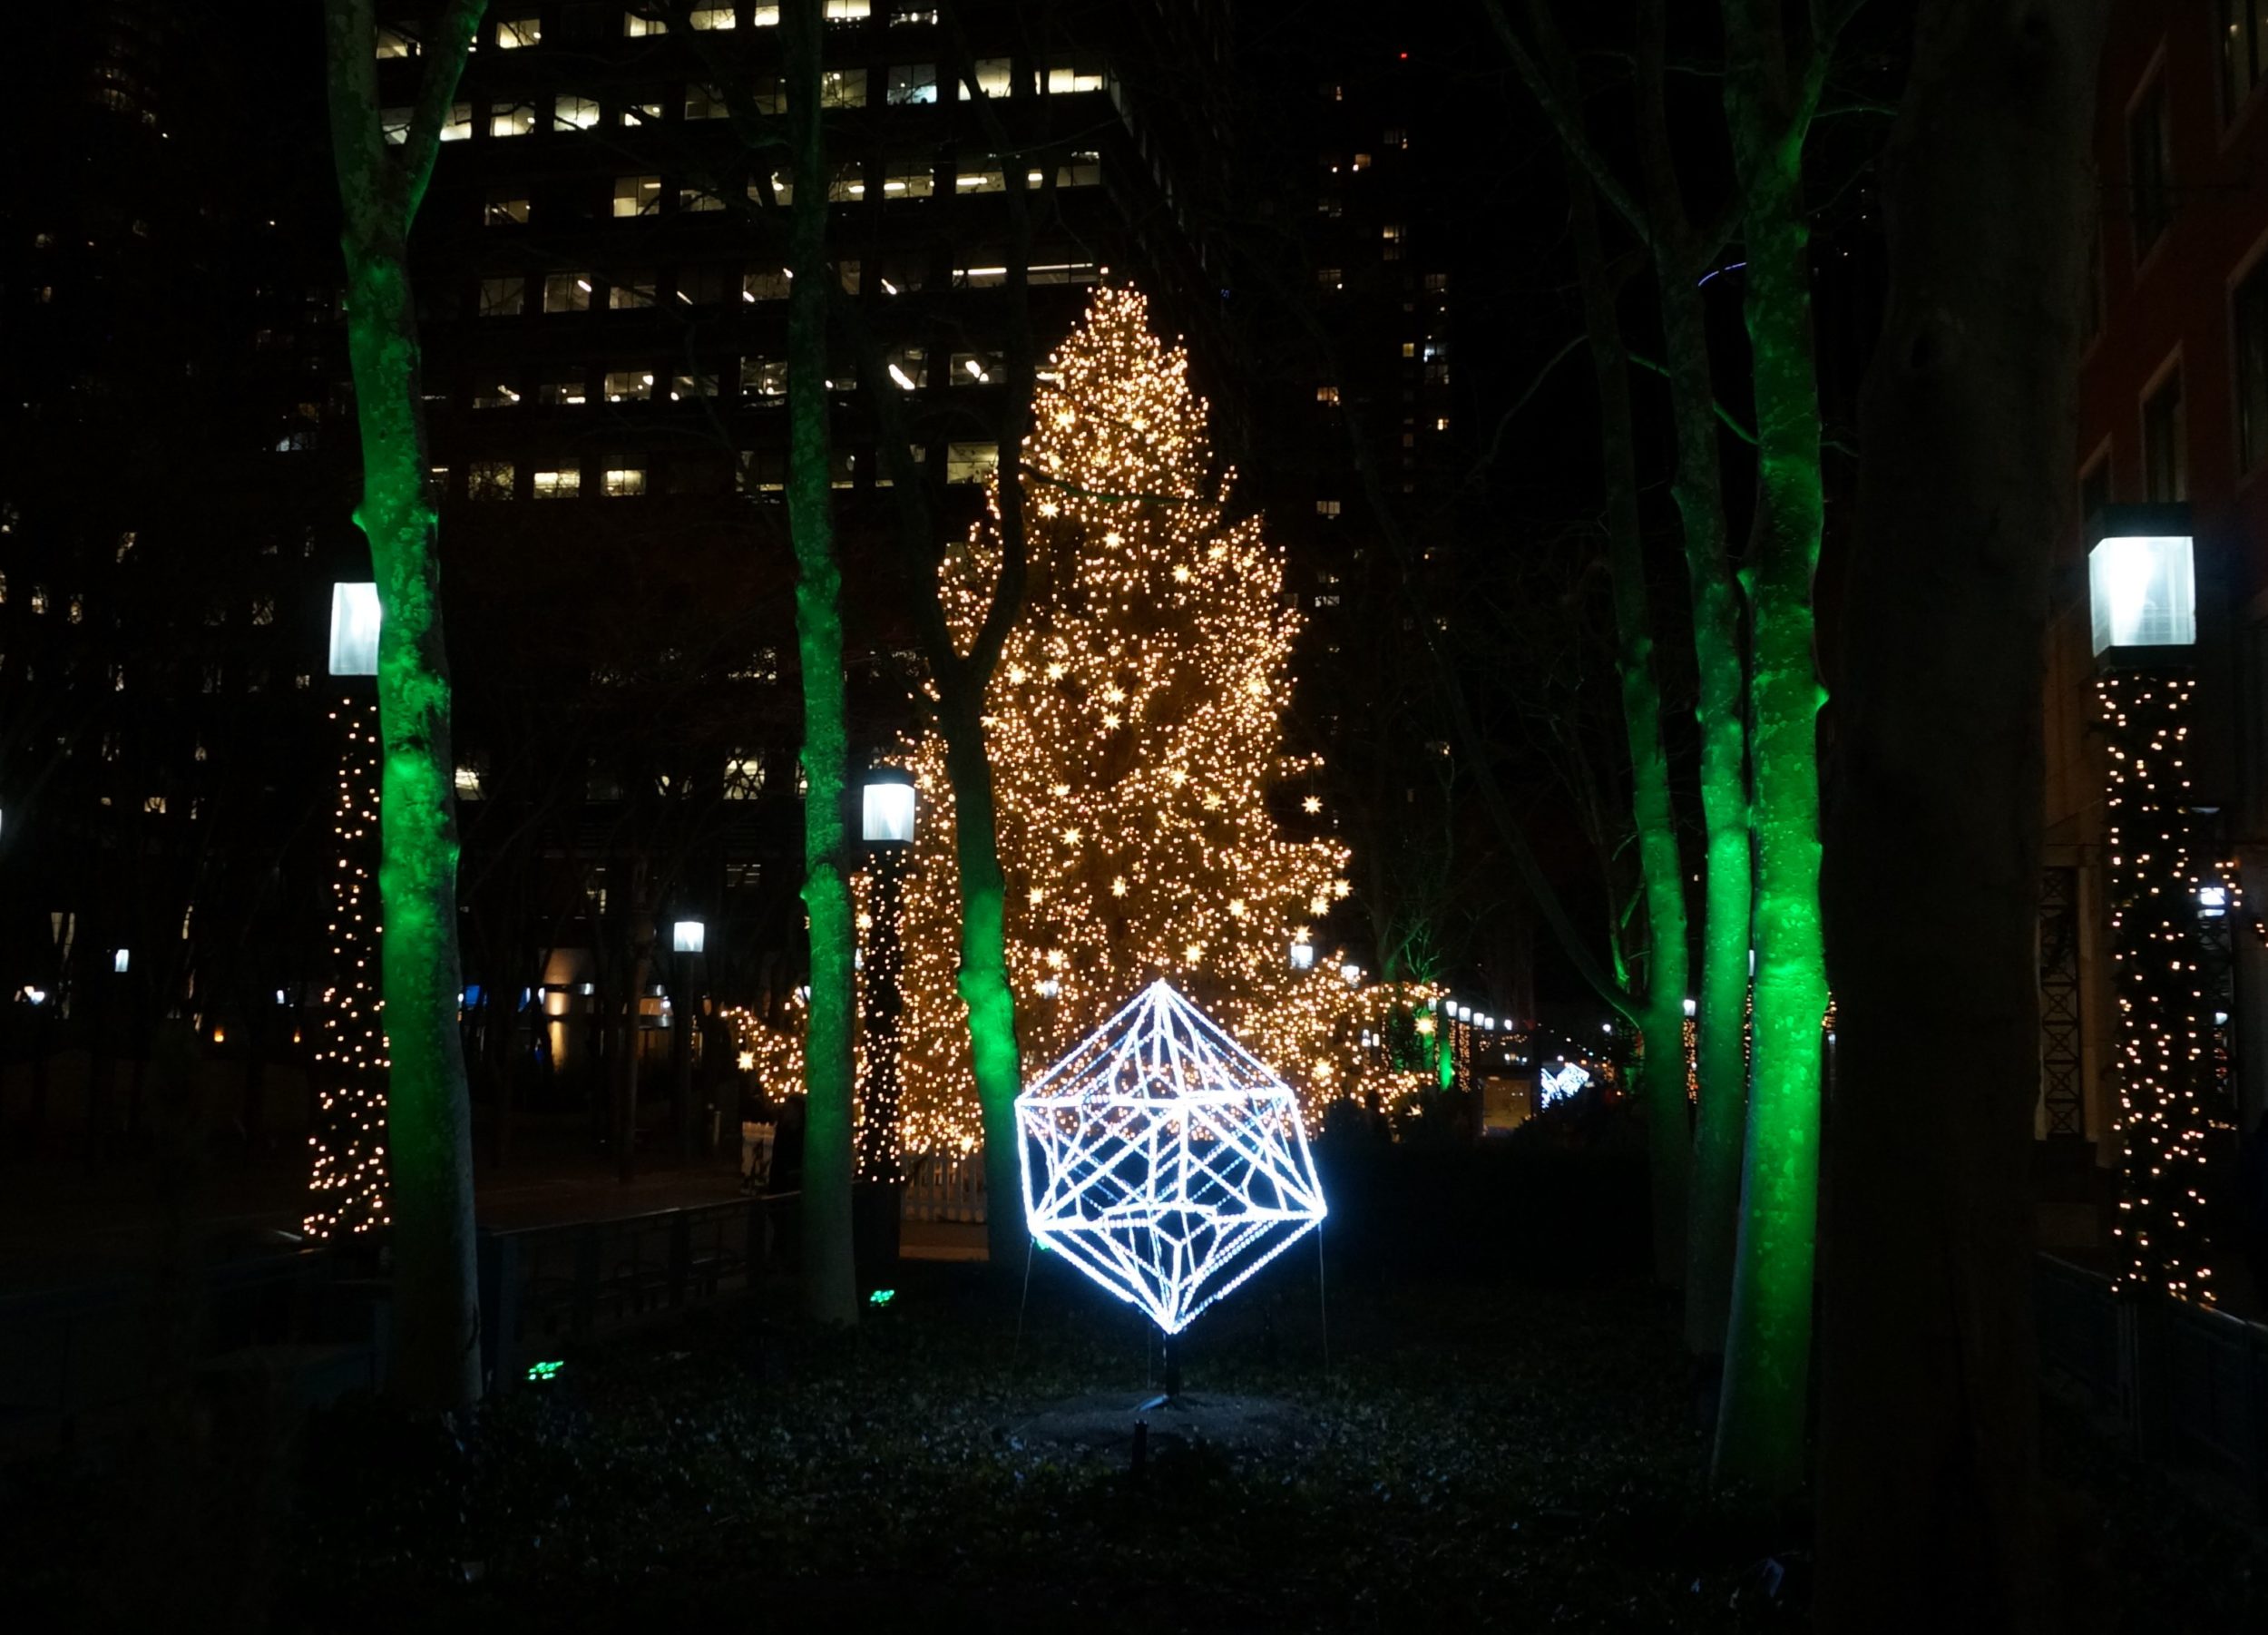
<point>1303,956</point>
<point>2141,585</point>
<point>886,808</point>
<point>688,936</point>
<point>354,630</point>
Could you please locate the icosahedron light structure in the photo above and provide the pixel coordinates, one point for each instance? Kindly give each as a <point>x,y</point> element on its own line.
<point>1164,1161</point>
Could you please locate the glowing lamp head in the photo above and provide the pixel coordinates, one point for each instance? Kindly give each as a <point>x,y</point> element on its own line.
<point>688,936</point>
<point>354,628</point>
<point>1303,956</point>
<point>886,812</point>
<point>1353,973</point>
<point>122,960</point>
<point>2142,583</point>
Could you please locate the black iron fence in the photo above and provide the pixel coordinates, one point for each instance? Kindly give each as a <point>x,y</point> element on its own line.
<point>2188,1384</point>
<point>540,1284</point>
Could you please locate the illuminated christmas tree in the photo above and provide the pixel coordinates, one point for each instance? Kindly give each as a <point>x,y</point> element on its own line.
<point>1134,723</point>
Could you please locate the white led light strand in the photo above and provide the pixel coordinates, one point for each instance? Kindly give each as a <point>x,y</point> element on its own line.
<point>1164,1161</point>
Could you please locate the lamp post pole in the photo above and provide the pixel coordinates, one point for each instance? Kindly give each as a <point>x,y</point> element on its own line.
<point>886,826</point>
<point>689,941</point>
<point>2141,582</point>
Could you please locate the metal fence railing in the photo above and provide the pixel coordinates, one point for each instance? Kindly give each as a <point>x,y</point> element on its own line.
<point>540,1284</point>
<point>2188,1384</point>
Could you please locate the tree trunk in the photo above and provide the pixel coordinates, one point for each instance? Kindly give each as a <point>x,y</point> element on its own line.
<point>638,928</point>
<point>1661,1011</point>
<point>983,975</point>
<point>1721,1006</point>
<point>435,1324</point>
<point>1928,1395</point>
<point>830,1292</point>
<point>1768,1341</point>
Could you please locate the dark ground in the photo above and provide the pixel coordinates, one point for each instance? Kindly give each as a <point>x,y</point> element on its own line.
<point>1478,1454</point>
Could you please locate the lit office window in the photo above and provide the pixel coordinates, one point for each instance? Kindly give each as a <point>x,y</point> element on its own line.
<point>394,41</point>
<point>637,195</point>
<point>846,183</point>
<point>629,386</point>
<point>765,284</point>
<point>974,369</point>
<point>760,471</point>
<point>561,389</point>
<point>624,481</point>
<point>909,16</point>
<point>637,24</point>
<point>1063,76</point>
<point>517,31</point>
<point>843,88</point>
<point>631,290</point>
<point>574,112</point>
<point>979,278</point>
<point>488,480</point>
<point>511,119</point>
<point>1326,394</point>
<point>1394,136</point>
<point>693,198</point>
<point>700,286</point>
<point>495,396</point>
<point>764,17</point>
<point>763,377</point>
<point>504,210</point>
<point>1329,277</point>
<point>704,101</point>
<point>1061,272</point>
<point>712,17</point>
<point>979,178</point>
<point>767,95</point>
<point>1083,169</point>
<point>689,384</point>
<point>566,292</point>
<point>908,178</point>
<point>911,82</point>
<point>458,126</point>
<point>971,462</point>
<point>502,298</point>
<point>908,367</point>
<point>394,124</point>
<point>560,482</point>
<point>848,11</point>
<point>1327,508</point>
<point>993,77</point>
<point>641,110</point>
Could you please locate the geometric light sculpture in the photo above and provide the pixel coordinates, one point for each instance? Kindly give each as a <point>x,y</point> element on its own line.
<point>1558,1086</point>
<point>1164,1161</point>
<point>354,628</point>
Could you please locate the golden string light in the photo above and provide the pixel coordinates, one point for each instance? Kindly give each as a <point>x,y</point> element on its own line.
<point>347,1186</point>
<point>1135,729</point>
<point>2168,1114</point>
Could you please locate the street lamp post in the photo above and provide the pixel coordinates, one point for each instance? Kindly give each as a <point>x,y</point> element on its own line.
<point>689,941</point>
<point>886,826</point>
<point>2142,596</point>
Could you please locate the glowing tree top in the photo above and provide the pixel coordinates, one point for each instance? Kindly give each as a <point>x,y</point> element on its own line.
<point>1164,1162</point>
<point>1135,729</point>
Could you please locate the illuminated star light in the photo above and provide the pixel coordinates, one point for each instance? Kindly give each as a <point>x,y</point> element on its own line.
<point>1164,1161</point>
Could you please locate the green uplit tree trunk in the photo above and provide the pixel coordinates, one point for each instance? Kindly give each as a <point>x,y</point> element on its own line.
<point>1929,1396</point>
<point>435,1324</point>
<point>1661,1003</point>
<point>830,1290</point>
<point>1682,255</point>
<point>1768,99</point>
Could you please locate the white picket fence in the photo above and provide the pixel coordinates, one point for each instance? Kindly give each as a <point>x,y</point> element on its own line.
<point>945,1186</point>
